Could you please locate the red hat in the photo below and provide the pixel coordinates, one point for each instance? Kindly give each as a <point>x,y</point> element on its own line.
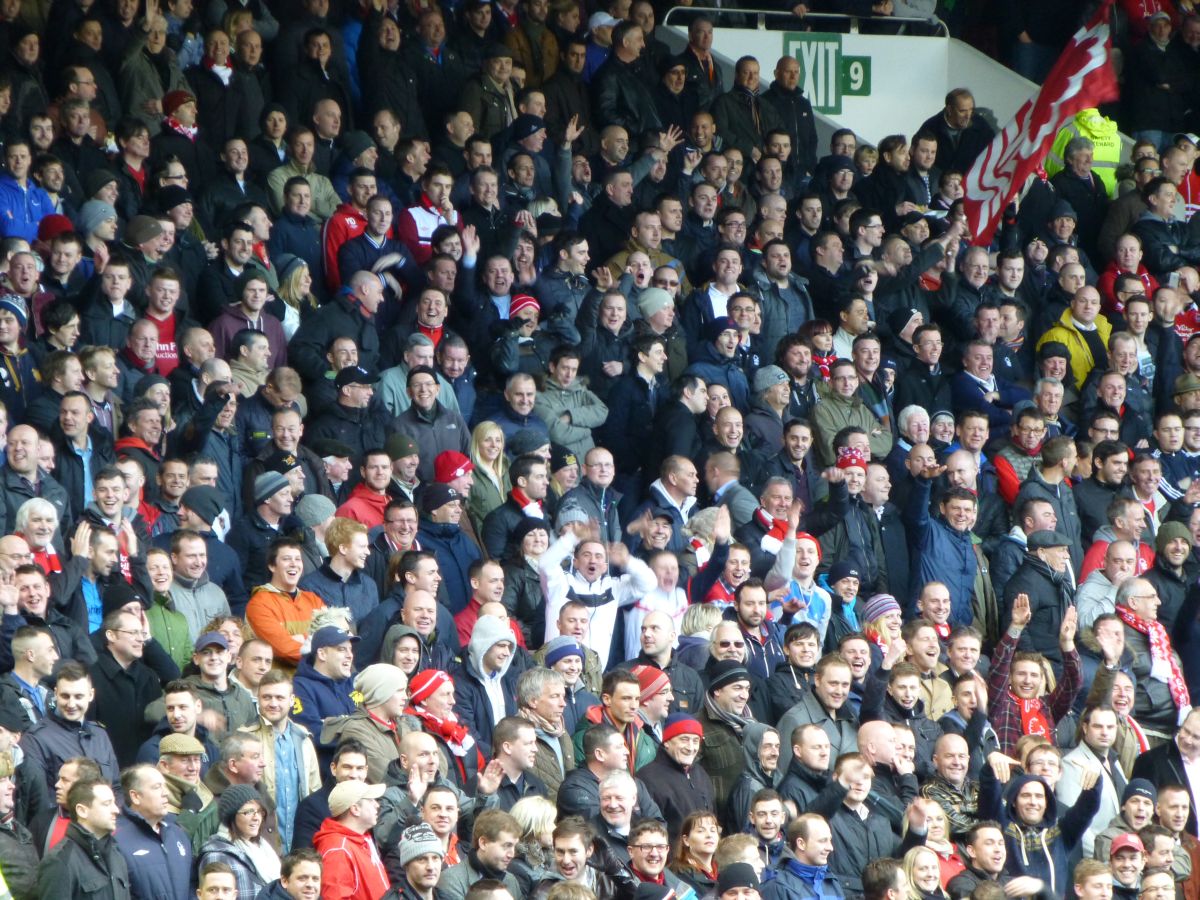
<point>1126,842</point>
<point>52,226</point>
<point>451,464</point>
<point>805,536</point>
<point>651,679</point>
<point>851,457</point>
<point>175,99</point>
<point>423,685</point>
<point>681,723</point>
<point>522,302</point>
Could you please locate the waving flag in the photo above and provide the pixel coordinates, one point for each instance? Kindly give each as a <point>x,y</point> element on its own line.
<point>1082,77</point>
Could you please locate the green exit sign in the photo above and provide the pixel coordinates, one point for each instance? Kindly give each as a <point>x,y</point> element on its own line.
<point>826,75</point>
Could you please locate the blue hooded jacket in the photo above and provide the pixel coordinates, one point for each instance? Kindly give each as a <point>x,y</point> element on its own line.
<point>1042,850</point>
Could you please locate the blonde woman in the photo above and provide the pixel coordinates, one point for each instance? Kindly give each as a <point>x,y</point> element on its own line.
<point>534,860</point>
<point>922,867</point>
<point>295,290</point>
<point>882,622</point>
<point>491,485</point>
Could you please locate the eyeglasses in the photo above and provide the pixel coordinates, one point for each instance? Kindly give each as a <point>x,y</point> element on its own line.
<point>254,813</point>
<point>652,848</point>
<point>135,634</point>
<point>731,643</point>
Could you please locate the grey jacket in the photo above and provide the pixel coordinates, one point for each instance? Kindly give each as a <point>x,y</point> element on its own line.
<point>584,411</point>
<point>842,731</point>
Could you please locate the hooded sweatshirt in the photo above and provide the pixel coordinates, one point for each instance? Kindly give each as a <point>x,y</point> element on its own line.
<point>1042,850</point>
<point>488,632</point>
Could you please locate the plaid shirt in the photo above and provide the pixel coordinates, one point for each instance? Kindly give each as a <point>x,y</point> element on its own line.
<point>1005,711</point>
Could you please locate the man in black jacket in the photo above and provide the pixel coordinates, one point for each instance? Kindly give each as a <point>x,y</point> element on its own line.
<point>87,855</point>
<point>125,684</point>
<point>530,482</point>
<point>621,97</point>
<point>794,112</point>
<point>961,135</point>
<point>677,784</point>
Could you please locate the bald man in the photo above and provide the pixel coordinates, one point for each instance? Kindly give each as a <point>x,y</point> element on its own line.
<point>951,785</point>
<point>895,778</point>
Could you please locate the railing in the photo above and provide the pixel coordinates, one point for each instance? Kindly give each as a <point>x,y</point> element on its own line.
<point>761,16</point>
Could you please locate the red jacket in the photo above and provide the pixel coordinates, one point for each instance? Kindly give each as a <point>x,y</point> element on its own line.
<point>1108,278</point>
<point>350,864</point>
<point>365,505</point>
<point>345,223</point>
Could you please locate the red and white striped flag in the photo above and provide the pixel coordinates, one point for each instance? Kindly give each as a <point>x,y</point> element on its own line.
<point>1082,77</point>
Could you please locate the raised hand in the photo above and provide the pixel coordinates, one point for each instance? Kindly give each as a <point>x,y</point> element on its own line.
<point>82,539</point>
<point>1002,765</point>
<point>1070,624</point>
<point>490,778</point>
<point>470,241</point>
<point>896,651</point>
<point>931,471</point>
<point>574,129</point>
<point>722,526</point>
<point>834,475</point>
<point>1021,614</point>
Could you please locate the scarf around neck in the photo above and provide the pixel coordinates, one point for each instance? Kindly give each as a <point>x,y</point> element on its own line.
<point>733,720</point>
<point>1163,665</point>
<point>457,737</point>
<point>776,530</point>
<point>529,507</point>
<point>1034,719</point>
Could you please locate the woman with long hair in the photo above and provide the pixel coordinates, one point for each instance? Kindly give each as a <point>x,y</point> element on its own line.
<point>295,290</point>
<point>534,860</point>
<point>695,854</point>
<point>922,867</point>
<point>937,840</point>
<point>491,485</point>
<point>882,623</point>
<point>239,843</point>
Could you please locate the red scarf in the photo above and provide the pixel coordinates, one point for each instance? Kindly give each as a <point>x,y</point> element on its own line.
<point>1163,666</point>
<point>456,736</point>
<point>529,507</point>
<point>943,631</point>
<point>776,529</point>
<point>47,560</point>
<point>823,363</point>
<point>1033,717</point>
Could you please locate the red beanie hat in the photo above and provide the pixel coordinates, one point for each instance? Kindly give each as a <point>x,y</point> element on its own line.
<point>423,685</point>
<point>522,302</point>
<point>450,464</point>
<point>52,226</point>
<point>175,99</point>
<point>681,723</point>
<point>651,679</point>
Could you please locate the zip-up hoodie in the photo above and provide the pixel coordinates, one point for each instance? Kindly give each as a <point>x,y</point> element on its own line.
<point>1042,850</point>
<point>351,860</point>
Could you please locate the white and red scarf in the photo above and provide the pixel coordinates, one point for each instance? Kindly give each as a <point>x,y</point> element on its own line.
<point>772,541</point>
<point>529,507</point>
<point>188,131</point>
<point>1034,719</point>
<point>1163,666</point>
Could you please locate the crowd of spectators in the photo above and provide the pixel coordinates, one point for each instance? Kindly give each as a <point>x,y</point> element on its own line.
<point>480,454</point>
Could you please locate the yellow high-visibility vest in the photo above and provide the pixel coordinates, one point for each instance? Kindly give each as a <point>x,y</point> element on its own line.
<point>1102,132</point>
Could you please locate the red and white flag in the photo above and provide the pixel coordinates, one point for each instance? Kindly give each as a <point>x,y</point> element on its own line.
<point>1082,77</point>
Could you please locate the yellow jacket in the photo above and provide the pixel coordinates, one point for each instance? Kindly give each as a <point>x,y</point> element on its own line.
<point>1065,332</point>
